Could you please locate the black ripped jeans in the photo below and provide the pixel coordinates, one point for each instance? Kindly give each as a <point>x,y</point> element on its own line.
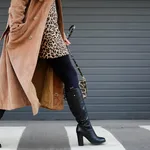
<point>63,67</point>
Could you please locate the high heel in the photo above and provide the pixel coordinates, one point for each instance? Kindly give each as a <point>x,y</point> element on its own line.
<point>80,139</point>
<point>89,134</point>
<point>84,128</point>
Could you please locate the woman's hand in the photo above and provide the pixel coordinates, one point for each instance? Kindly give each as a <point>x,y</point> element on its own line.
<point>67,42</point>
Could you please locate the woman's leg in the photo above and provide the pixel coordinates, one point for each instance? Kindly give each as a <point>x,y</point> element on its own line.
<point>1,115</point>
<point>64,69</point>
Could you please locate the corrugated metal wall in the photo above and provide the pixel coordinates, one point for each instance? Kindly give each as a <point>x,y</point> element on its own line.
<point>112,46</point>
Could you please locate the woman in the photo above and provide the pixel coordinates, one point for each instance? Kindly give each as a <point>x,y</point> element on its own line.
<point>35,39</point>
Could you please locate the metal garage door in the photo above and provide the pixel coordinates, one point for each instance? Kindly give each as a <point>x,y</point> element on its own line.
<point>112,45</point>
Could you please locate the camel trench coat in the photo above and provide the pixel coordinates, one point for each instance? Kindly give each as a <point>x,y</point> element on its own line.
<point>26,80</point>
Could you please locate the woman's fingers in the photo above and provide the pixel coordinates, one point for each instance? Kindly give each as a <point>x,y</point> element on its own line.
<point>67,42</point>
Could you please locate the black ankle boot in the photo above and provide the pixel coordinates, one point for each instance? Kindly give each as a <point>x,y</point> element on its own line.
<point>0,146</point>
<point>84,128</point>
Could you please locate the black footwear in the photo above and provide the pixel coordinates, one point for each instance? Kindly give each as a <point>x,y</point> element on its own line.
<point>0,146</point>
<point>2,113</point>
<point>84,128</point>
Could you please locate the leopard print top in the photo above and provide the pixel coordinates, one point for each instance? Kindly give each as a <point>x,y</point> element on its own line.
<point>52,45</point>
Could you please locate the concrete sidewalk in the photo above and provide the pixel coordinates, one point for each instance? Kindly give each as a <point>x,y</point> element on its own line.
<point>61,135</point>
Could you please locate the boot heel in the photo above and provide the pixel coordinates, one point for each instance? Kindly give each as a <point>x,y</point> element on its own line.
<point>80,139</point>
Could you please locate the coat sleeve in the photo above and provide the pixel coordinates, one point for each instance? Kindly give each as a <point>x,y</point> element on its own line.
<point>16,13</point>
<point>60,17</point>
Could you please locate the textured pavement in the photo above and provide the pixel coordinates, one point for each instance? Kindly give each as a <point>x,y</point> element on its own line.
<point>61,135</point>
